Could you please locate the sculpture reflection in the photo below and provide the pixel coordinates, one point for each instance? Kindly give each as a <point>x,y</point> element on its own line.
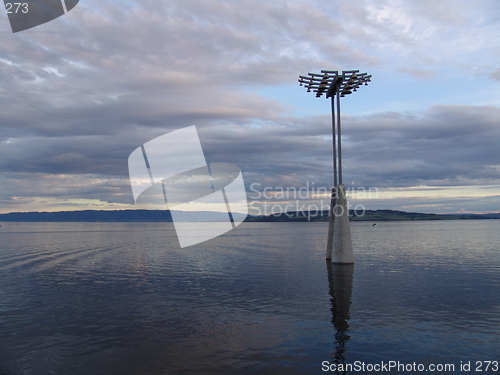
<point>340,282</point>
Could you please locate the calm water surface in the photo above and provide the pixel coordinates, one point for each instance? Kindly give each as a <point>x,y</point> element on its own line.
<point>123,298</point>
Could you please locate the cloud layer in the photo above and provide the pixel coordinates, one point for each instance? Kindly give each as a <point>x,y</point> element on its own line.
<point>80,93</point>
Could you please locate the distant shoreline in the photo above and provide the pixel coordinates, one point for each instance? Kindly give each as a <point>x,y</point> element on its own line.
<point>371,215</point>
<point>145,216</point>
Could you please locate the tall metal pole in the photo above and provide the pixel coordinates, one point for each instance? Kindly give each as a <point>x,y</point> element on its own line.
<point>339,244</point>
<point>339,147</point>
<point>334,146</point>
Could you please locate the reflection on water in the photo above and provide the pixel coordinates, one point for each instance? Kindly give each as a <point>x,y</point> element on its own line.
<point>340,287</point>
<point>123,298</point>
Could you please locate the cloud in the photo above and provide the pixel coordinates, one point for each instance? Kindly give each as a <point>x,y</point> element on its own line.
<point>495,74</point>
<point>419,73</point>
<point>431,37</point>
<point>447,145</point>
<point>80,93</point>
<point>23,191</point>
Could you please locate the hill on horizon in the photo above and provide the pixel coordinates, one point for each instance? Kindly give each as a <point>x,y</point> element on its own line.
<point>165,216</point>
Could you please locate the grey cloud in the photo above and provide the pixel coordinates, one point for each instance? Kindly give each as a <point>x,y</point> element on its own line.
<point>443,146</point>
<point>20,188</point>
<point>192,43</point>
<point>419,73</point>
<point>434,205</point>
<point>423,36</point>
<point>448,145</point>
<point>495,74</point>
<point>81,93</point>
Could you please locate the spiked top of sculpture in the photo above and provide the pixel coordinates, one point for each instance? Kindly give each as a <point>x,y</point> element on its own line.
<point>332,82</point>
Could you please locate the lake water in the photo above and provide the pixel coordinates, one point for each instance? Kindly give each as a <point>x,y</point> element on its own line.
<point>123,298</point>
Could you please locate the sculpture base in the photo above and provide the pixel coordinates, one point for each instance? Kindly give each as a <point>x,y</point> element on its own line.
<point>339,245</point>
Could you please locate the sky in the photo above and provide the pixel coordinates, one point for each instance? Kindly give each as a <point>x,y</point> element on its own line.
<point>79,94</point>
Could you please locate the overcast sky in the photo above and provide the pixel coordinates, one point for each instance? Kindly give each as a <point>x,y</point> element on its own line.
<point>80,93</point>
